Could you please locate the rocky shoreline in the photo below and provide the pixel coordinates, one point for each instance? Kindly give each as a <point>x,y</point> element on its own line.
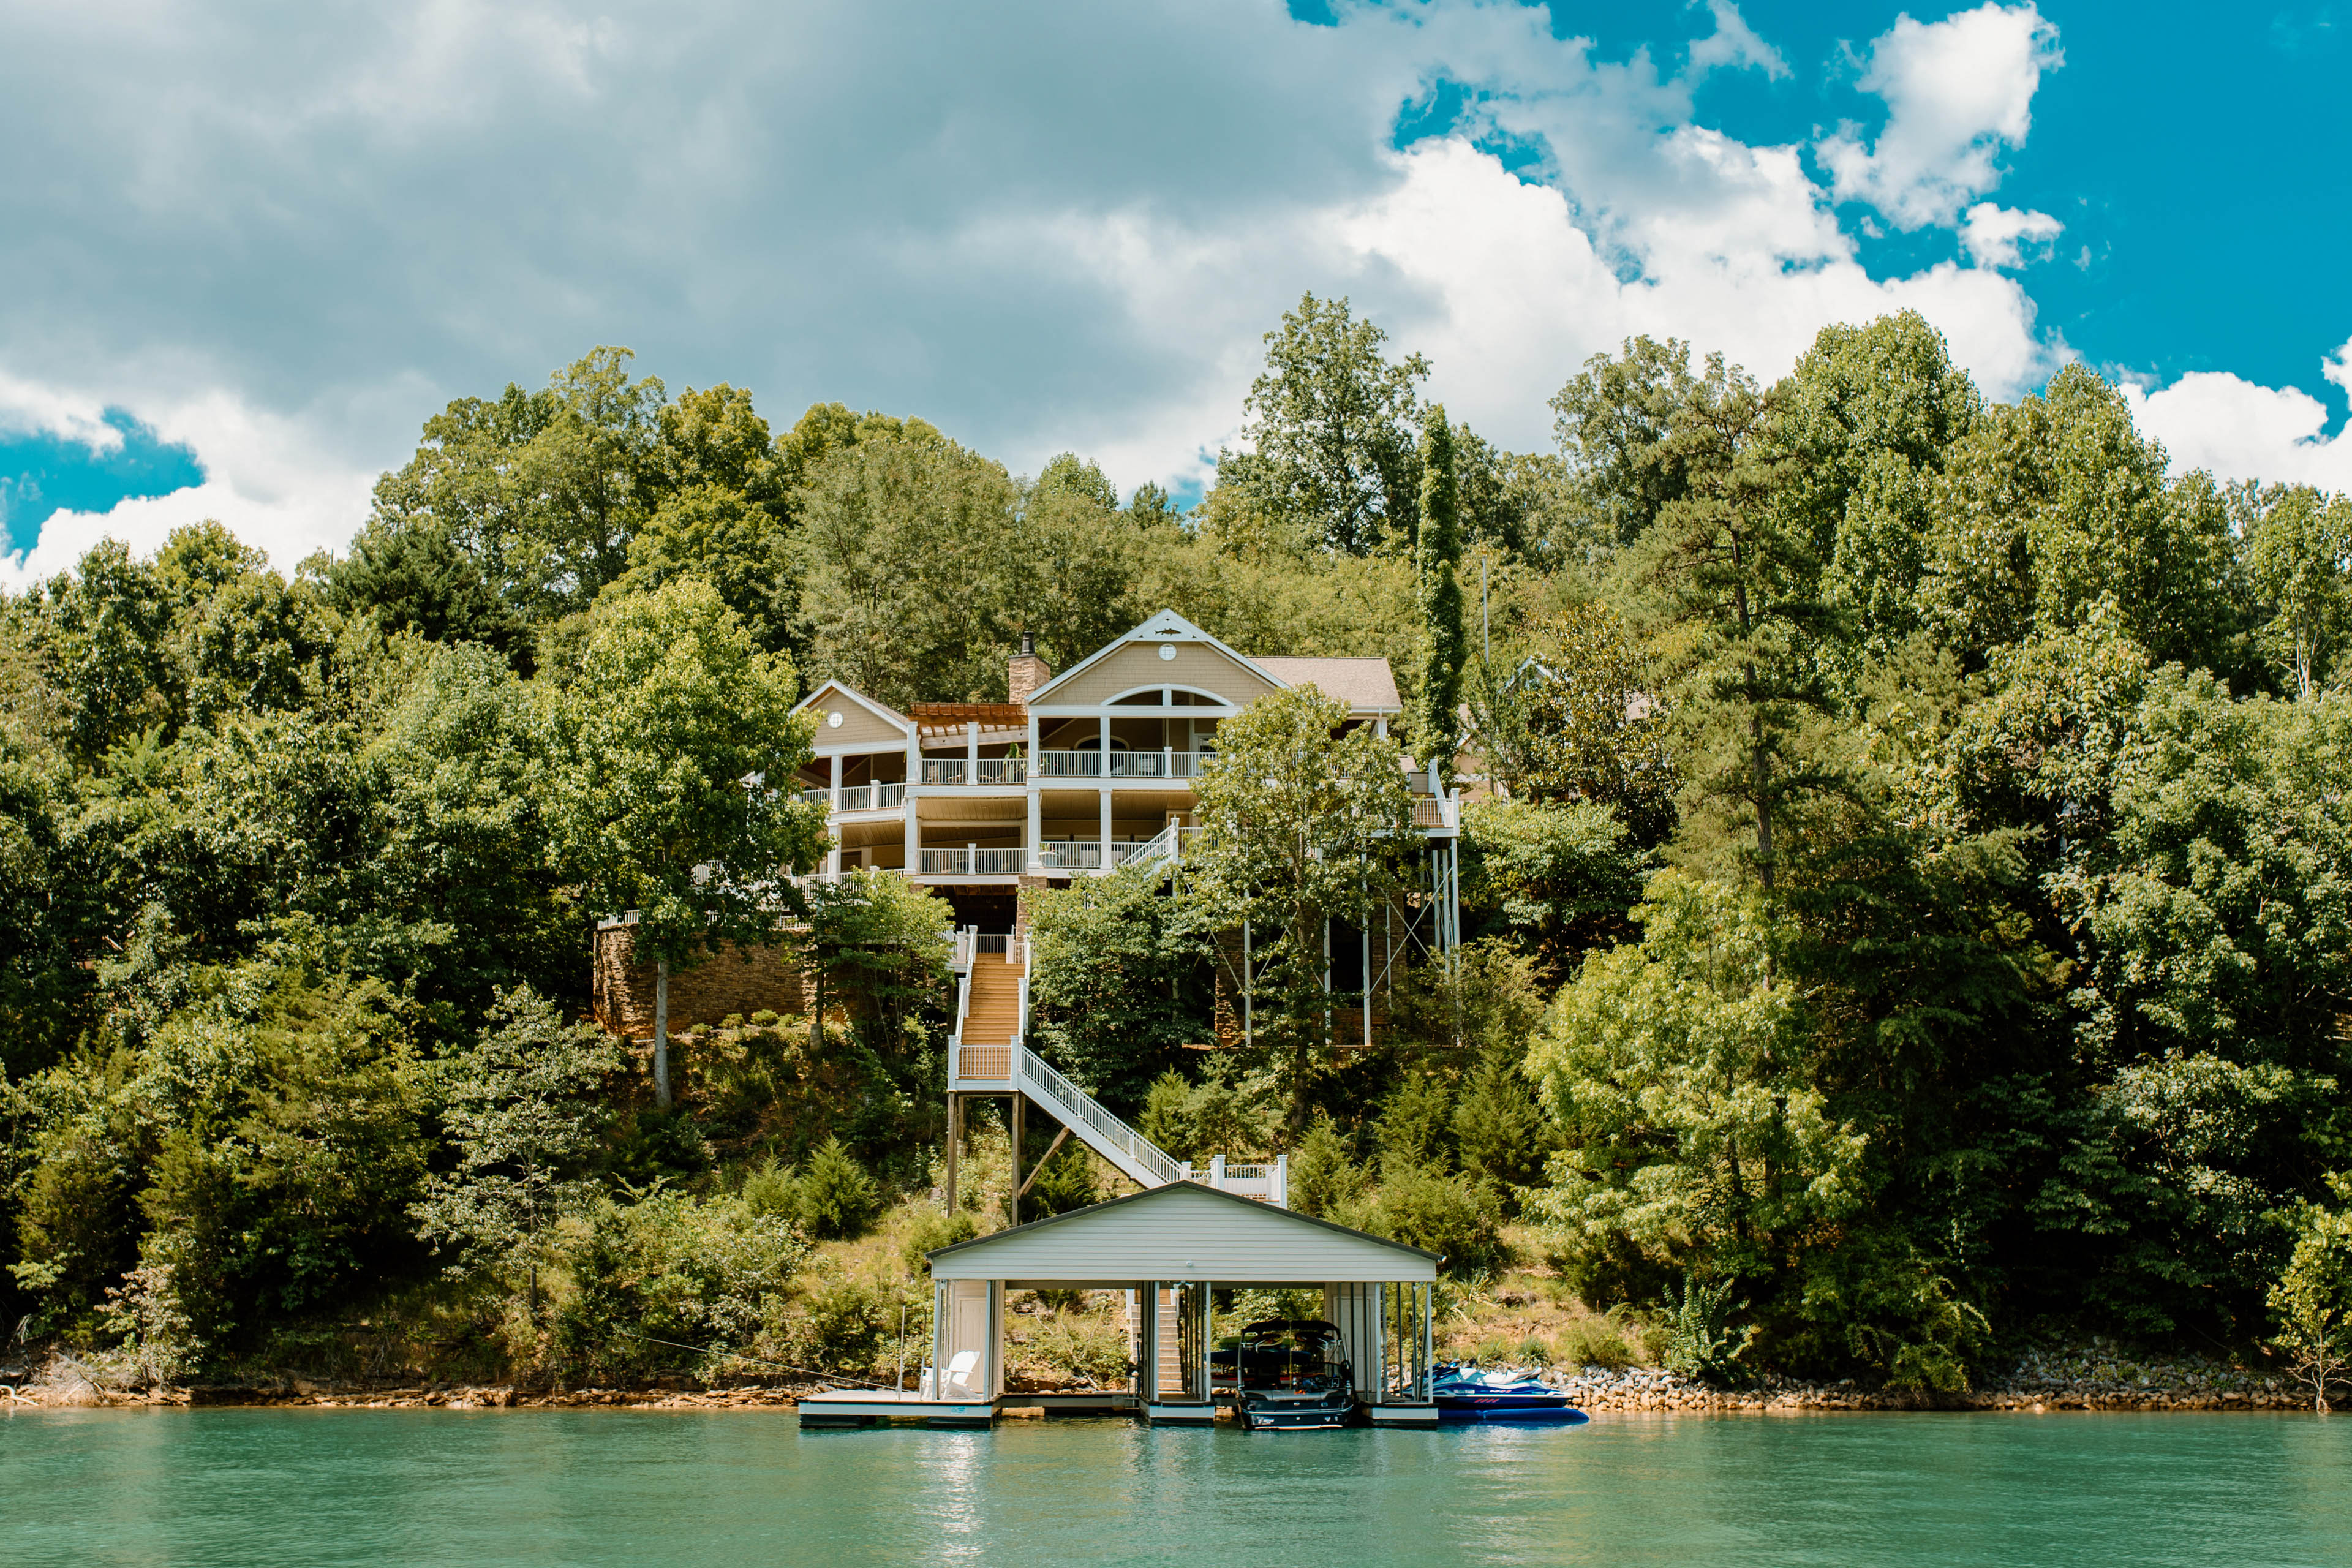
<point>2038,1381</point>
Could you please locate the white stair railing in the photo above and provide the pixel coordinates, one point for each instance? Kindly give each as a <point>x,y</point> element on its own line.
<point>1136,1155</point>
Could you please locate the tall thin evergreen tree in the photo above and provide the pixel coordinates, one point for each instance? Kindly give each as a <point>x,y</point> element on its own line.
<point>1437,728</point>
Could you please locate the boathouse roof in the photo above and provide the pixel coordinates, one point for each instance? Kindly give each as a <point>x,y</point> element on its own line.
<point>1182,1231</point>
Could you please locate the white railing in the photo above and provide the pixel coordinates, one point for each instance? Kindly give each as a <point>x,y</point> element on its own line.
<point>963,991</point>
<point>1160,764</point>
<point>1161,847</point>
<point>986,771</point>
<point>858,797</point>
<point>1094,855</point>
<point>970,862</point>
<point>1164,764</point>
<point>1070,854</point>
<point>1020,955</point>
<point>1268,1183</point>
<point>960,957</point>
<point>1436,811</point>
<point>1083,1113</point>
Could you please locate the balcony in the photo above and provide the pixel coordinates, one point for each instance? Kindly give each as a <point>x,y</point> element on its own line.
<point>858,797</point>
<point>1094,855</point>
<point>973,862</point>
<point>999,771</point>
<point>1159,765</point>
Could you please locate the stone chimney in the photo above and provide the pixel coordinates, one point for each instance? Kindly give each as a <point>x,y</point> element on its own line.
<point>1025,672</point>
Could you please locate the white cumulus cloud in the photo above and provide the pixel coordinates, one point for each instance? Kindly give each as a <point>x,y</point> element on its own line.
<point>2236,429</point>
<point>1956,92</point>
<point>1997,235</point>
<point>287,235</point>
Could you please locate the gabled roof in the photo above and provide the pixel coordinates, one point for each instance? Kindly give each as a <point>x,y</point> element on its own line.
<point>1365,685</point>
<point>1165,626</point>
<point>881,710</point>
<point>1184,1231</point>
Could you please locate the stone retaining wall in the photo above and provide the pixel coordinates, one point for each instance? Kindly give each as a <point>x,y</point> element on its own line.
<point>735,981</point>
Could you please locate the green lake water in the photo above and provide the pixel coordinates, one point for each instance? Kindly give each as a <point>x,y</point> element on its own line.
<point>266,1487</point>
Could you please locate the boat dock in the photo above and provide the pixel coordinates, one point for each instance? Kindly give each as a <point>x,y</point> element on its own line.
<point>1168,1247</point>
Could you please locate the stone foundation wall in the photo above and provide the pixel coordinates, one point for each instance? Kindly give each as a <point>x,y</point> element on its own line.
<point>735,981</point>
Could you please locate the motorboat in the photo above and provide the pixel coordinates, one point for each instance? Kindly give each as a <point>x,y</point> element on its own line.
<point>1466,1392</point>
<point>1288,1373</point>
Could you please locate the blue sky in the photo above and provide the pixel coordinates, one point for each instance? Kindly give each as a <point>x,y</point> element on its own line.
<point>248,249</point>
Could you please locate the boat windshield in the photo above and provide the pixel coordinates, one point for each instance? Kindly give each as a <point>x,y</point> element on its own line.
<point>1293,1353</point>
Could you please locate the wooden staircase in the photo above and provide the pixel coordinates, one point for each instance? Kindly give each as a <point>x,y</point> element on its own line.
<point>993,1016</point>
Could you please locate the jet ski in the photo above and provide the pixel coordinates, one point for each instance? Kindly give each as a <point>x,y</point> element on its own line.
<point>1288,1373</point>
<point>1467,1393</point>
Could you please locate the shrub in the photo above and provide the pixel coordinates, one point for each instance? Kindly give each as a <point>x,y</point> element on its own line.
<point>773,1192</point>
<point>1595,1342</point>
<point>933,1230</point>
<point>1325,1179</point>
<point>1066,1183</point>
<point>1699,1340</point>
<point>1089,1346</point>
<point>1456,1217</point>
<point>838,1198</point>
<point>842,1325</point>
<point>708,1274</point>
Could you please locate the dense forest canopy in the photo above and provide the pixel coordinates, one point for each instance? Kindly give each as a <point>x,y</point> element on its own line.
<point>1910,872</point>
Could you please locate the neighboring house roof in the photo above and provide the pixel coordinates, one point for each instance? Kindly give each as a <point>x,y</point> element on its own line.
<point>1365,685</point>
<point>1184,1231</point>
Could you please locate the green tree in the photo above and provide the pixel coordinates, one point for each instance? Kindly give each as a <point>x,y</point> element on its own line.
<point>2299,546</point>
<point>1444,653</point>
<point>1868,419</point>
<point>1673,1066</point>
<point>416,579</point>
<point>1114,973</point>
<point>459,884</point>
<point>2050,508</point>
<point>878,945</point>
<point>1301,824</point>
<point>1735,596</point>
<point>1331,428</point>
<point>907,549</point>
<point>2312,1300</point>
<point>1573,717</point>
<point>1559,879</point>
<point>1613,418</point>
<point>664,741</point>
<point>545,489</point>
<point>736,544</point>
<point>110,649</point>
<point>524,1108</point>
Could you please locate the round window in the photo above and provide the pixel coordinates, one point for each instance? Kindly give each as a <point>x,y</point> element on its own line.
<point>1168,650</point>
<point>833,720</point>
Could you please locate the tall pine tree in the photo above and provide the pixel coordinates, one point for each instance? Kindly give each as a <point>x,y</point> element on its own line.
<point>1437,728</point>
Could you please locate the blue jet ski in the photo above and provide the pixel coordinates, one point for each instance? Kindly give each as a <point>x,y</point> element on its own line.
<point>1468,1393</point>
